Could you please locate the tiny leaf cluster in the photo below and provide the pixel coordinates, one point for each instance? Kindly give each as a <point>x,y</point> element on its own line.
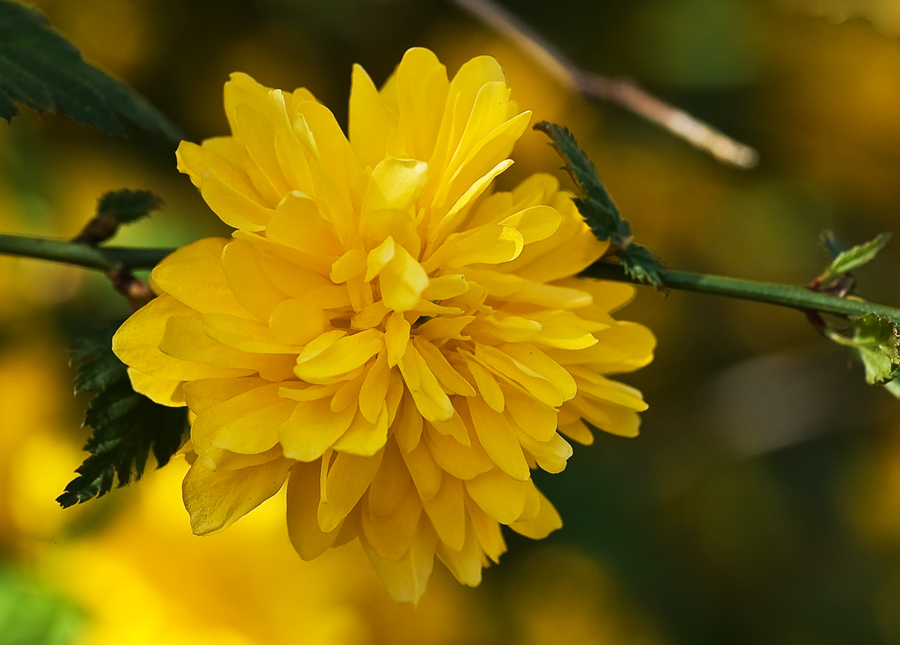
<point>872,340</point>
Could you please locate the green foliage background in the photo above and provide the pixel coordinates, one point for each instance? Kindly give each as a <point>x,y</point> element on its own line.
<point>760,503</point>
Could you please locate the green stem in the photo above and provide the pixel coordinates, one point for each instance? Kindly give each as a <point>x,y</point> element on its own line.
<point>107,258</point>
<point>104,258</point>
<point>777,294</point>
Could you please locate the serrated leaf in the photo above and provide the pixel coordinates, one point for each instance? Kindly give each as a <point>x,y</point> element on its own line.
<point>851,259</point>
<point>598,209</point>
<point>127,426</point>
<point>128,206</point>
<point>641,265</point>
<point>43,70</point>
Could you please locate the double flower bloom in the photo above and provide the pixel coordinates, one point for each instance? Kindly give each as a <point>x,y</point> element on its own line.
<point>398,342</point>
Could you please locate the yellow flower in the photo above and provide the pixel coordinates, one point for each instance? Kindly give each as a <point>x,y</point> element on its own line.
<point>383,331</point>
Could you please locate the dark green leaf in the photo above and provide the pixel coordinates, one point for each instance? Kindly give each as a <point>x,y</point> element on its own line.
<point>640,264</point>
<point>43,70</point>
<point>851,259</point>
<point>126,426</point>
<point>115,208</point>
<point>128,206</point>
<point>598,209</point>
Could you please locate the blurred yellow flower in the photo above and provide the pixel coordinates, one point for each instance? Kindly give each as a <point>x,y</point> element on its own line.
<point>398,341</point>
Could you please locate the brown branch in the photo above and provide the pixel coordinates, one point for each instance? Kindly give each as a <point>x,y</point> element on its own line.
<point>621,91</point>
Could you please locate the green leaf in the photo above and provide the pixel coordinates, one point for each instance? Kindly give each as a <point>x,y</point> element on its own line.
<point>128,206</point>
<point>599,211</point>
<point>43,70</point>
<point>851,259</point>
<point>127,426</point>
<point>876,344</point>
<point>893,386</point>
<point>115,208</point>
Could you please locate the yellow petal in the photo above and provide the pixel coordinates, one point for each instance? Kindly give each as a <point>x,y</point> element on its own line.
<point>374,389</point>
<point>465,564</point>
<point>402,281</point>
<point>444,328</point>
<point>421,90</point>
<point>460,461</point>
<point>534,223</point>
<point>164,391</point>
<point>247,280</point>
<point>425,472</point>
<point>364,438</point>
<point>533,417</point>
<point>547,521</point>
<point>449,378</point>
<point>312,429</point>
<point>498,439</point>
<point>379,257</point>
<point>245,424</point>
<point>219,157</point>
<point>296,322</point>
<point>485,245</point>
<point>390,486</point>
<point>215,500</point>
<point>298,224</point>
<point>499,495</point>
<point>408,426</point>
<point>342,357</point>
<point>233,207</point>
<point>371,121</point>
<point>622,347</point>
<point>202,394</point>
<point>487,529</point>
<point>391,535</point>
<point>600,387</point>
<point>185,339</point>
<point>256,131</point>
<point>486,157</point>
<point>302,507</point>
<point>245,335</point>
<point>395,185</point>
<point>447,513</point>
<point>396,337</point>
<point>421,382</point>
<point>348,478</point>
<point>550,455</point>
<point>137,341</point>
<point>406,578</point>
<point>350,265</point>
<point>446,286</point>
<point>488,387</point>
<point>202,258</point>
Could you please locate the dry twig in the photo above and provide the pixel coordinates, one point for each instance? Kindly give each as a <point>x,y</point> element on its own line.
<point>621,91</point>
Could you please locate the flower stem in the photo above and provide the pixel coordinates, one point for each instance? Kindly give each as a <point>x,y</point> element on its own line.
<point>107,259</point>
<point>776,294</point>
<point>102,258</point>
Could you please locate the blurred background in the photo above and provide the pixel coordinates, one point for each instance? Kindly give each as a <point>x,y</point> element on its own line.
<point>761,503</point>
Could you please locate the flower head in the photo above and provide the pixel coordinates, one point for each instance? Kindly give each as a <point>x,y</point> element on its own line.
<point>398,342</point>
